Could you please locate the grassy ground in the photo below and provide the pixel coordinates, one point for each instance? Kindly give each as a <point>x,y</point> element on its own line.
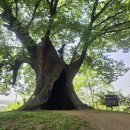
<point>41,120</point>
<point>118,108</point>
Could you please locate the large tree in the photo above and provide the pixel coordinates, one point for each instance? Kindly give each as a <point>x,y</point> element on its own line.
<point>42,25</point>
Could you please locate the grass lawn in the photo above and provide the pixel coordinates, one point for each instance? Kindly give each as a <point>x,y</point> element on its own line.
<point>114,109</point>
<point>40,120</point>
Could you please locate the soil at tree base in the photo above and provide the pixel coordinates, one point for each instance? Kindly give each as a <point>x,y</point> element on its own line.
<point>102,120</point>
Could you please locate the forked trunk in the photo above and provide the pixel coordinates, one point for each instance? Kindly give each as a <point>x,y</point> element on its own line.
<point>54,86</point>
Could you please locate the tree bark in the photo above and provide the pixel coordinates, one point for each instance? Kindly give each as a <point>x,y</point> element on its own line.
<point>48,67</point>
<point>54,81</point>
<point>63,96</point>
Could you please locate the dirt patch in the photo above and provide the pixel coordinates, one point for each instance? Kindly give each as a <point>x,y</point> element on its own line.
<point>102,120</point>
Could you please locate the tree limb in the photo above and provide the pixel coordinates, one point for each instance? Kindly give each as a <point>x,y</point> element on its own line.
<point>114,26</point>
<point>16,8</point>
<point>61,51</point>
<point>74,67</point>
<point>15,67</point>
<point>93,11</point>
<point>103,9</point>
<point>117,30</point>
<point>15,26</point>
<point>24,37</point>
<point>75,52</point>
<point>37,3</point>
<point>48,2</point>
<point>110,17</point>
<point>53,6</point>
<point>62,6</point>
<point>78,63</point>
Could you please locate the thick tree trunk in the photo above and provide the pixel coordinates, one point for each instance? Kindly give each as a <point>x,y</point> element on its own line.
<point>63,96</point>
<point>54,81</point>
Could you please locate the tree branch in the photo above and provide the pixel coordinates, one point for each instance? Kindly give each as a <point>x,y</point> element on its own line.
<point>74,67</point>
<point>48,2</point>
<point>15,67</point>
<point>103,9</point>
<point>110,17</point>
<point>23,35</point>
<point>53,6</point>
<point>117,30</point>
<point>37,3</point>
<point>93,11</point>
<point>15,26</point>
<point>75,52</point>
<point>114,26</point>
<point>62,6</point>
<point>16,8</point>
<point>61,51</point>
<point>7,14</point>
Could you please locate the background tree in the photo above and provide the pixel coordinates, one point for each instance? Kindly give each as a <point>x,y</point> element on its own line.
<point>92,86</point>
<point>95,24</point>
